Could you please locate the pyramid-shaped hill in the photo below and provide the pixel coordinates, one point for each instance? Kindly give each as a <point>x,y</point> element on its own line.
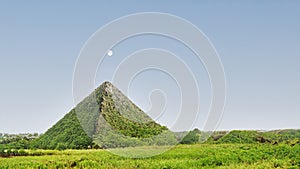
<point>108,119</point>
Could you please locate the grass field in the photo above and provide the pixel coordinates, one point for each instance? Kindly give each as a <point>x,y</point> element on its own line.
<point>181,156</point>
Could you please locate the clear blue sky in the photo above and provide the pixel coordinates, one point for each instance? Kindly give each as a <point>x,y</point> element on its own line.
<point>258,43</point>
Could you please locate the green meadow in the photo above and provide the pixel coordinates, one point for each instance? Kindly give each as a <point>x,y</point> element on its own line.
<point>181,156</point>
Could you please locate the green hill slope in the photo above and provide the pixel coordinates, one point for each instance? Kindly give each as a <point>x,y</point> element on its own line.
<point>66,133</point>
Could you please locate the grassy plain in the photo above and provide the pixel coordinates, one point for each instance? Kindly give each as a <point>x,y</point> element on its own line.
<point>182,156</point>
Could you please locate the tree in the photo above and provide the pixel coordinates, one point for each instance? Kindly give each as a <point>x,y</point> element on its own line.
<point>191,138</point>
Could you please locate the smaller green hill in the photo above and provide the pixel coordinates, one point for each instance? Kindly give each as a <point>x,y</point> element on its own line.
<point>273,137</point>
<point>288,136</point>
<point>238,136</point>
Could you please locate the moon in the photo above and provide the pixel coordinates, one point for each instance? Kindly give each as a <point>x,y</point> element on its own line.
<point>110,53</point>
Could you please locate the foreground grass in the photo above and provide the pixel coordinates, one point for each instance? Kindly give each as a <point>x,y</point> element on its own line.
<point>181,156</point>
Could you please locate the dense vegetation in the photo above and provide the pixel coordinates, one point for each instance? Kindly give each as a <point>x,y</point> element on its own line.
<point>123,115</point>
<point>256,156</point>
<point>70,139</point>
<point>16,141</point>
